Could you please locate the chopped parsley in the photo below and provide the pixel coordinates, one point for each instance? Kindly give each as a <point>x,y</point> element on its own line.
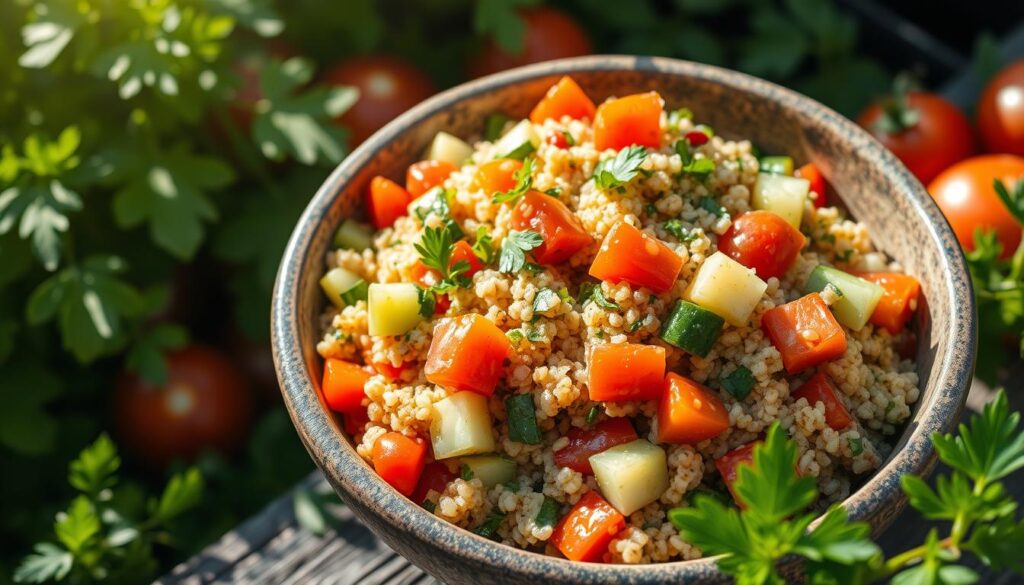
<point>856,445</point>
<point>466,472</point>
<point>495,126</point>
<point>711,206</point>
<point>488,527</point>
<point>677,116</point>
<point>435,249</point>
<point>650,209</point>
<point>590,291</point>
<point>548,514</point>
<point>700,167</point>
<point>738,382</point>
<point>429,506</point>
<point>621,169</point>
<point>639,323</point>
<point>568,138</point>
<point>592,414</point>
<point>675,227</point>
<point>554,191</point>
<point>524,180</point>
<point>533,335</point>
<point>545,300</point>
<point>484,246</point>
<point>515,336</point>
<point>514,248</point>
<point>427,300</point>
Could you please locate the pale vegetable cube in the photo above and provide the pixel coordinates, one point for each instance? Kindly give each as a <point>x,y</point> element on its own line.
<point>393,308</point>
<point>353,235</point>
<point>461,425</point>
<point>491,469</point>
<point>447,148</point>
<point>784,196</point>
<point>632,475</point>
<point>518,142</point>
<point>726,288</point>
<point>858,298</point>
<point>343,287</point>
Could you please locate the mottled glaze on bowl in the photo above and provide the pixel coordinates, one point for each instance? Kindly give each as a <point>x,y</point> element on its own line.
<point>875,187</point>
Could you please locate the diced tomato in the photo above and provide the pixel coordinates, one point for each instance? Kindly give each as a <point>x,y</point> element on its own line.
<point>565,98</point>
<point>343,385</point>
<point>425,175</point>
<point>355,422</point>
<point>812,173</point>
<point>436,476</point>
<point>561,231</point>
<point>763,241</point>
<point>729,463</point>
<point>697,137</point>
<point>805,333</point>
<point>585,532</point>
<point>899,301</point>
<point>626,371</point>
<point>425,276</point>
<point>557,138</point>
<point>629,255</point>
<point>633,119</point>
<point>399,460</point>
<point>386,202</point>
<point>689,412</point>
<point>467,353</point>
<point>497,176</point>
<point>586,442</point>
<point>389,371</point>
<point>820,389</point>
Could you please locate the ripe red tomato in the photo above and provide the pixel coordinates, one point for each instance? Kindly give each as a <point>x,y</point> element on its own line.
<point>205,405</point>
<point>1001,111</point>
<point>387,87</point>
<point>965,195</point>
<point>940,137</point>
<point>550,34</point>
<point>763,241</point>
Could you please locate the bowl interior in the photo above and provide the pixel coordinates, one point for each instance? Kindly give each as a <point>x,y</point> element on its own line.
<point>874,187</point>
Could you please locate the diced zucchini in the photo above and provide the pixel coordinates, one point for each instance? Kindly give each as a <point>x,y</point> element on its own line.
<point>726,288</point>
<point>518,142</point>
<point>632,475</point>
<point>461,425</point>
<point>522,420</point>
<point>784,196</point>
<point>859,297</point>
<point>394,308</point>
<point>343,288</point>
<point>447,148</point>
<point>691,328</point>
<point>491,469</point>
<point>776,165</point>
<point>353,235</point>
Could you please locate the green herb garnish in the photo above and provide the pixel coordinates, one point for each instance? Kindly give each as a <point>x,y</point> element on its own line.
<point>711,206</point>
<point>466,472</point>
<point>621,169</point>
<point>681,233</point>
<point>856,445</point>
<point>568,138</point>
<point>489,527</point>
<point>548,514</point>
<point>524,180</point>
<point>738,382</point>
<point>590,291</point>
<point>522,420</point>
<point>592,414</point>
<point>545,300</point>
<point>514,248</point>
<point>484,246</point>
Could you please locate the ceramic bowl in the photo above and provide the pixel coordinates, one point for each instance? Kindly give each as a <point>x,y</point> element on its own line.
<point>874,186</point>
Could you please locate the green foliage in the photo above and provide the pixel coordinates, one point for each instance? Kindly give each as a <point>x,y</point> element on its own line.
<point>146,357</point>
<point>774,523</point>
<point>524,181</point>
<point>999,289</point>
<point>620,169</point>
<point>25,391</point>
<point>500,20</point>
<point>514,247</point>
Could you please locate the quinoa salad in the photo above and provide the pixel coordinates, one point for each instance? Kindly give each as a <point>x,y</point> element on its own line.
<point>556,332</point>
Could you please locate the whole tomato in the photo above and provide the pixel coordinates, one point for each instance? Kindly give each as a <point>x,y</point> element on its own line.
<point>204,405</point>
<point>387,87</point>
<point>1001,111</point>
<point>966,196</point>
<point>922,129</point>
<point>549,34</point>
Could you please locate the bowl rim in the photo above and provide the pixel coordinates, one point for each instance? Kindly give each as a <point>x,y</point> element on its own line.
<point>347,471</point>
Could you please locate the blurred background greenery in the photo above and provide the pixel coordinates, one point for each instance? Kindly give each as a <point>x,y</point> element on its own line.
<point>154,155</point>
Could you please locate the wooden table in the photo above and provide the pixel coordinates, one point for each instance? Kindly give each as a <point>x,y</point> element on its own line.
<point>271,547</point>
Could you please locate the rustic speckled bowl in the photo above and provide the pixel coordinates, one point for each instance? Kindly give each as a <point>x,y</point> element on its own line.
<point>874,186</point>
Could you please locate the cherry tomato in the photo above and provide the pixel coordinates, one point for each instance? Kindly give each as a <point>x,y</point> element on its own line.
<point>204,405</point>
<point>966,196</point>
<point>387,87</point>
<point>939,137</point>
<point>1001,111</point>
<point>399,460</point>
<point>763,241</point>
<point>425,175</point>
<point>550,34</point>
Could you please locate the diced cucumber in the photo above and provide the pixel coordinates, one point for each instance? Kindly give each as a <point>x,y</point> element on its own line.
<point>691,328</point>
<point>726,288</point>
<point>776,165</point>
<point>491,469</point>
<point>859,297</point>
<point>522,420</point>
<point>518,142</point>
<point>352,235</point>
<point>738,382</point>
<point>632,475</point>
<point>447,148</point>
<point>782,195</point>
<point>394,308</point>
<point>343,288</point>
<point>461,425</point>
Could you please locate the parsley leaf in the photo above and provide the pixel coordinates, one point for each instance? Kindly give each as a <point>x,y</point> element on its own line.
<point>96,467</point>
<point>1013,200</point>
<point>514,248</point>
<point>590,291</point>
<point>435,249</point>
<point>711,206</point>
<point>545,300</point>
<point>620,169</point>
<point>49,562</point>
<point>592,414</point>
<point>427,300</point>
<point>182,492</point>
<point>738,382</point>
<point>484,246</point>
<point>568,138</point>
<point>548,514</point>
<point>769,488</point>
<point>700,167</point>
<point>524,180</point>
<point>990,448</point>
<point>146,357</point>
<point>681,233</point>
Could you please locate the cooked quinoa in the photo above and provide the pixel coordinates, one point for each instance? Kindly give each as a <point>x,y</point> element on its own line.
<point>687,212</point>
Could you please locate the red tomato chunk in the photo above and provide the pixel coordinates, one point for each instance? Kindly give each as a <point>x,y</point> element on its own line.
<point>585,532</point>
<point>763,241</point>
<point>689,412</point>
<point>467,353</point>
<point>565,98</point>
<point>633,119</point>
<point>343,386</point>
<point>561,231</point>
<point>812,173</point>
<point>497,176</point>
<point>629,255</point>
<point>425,175</point>
<point>820,389</point>
<point>626,371</point>
<point>586,442</point>
<point>386,202</point>
<point>899,301</point>
<point>436,476</point>
<point>399,460</point>
<point>805,333</point>
<point>728,466</point>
